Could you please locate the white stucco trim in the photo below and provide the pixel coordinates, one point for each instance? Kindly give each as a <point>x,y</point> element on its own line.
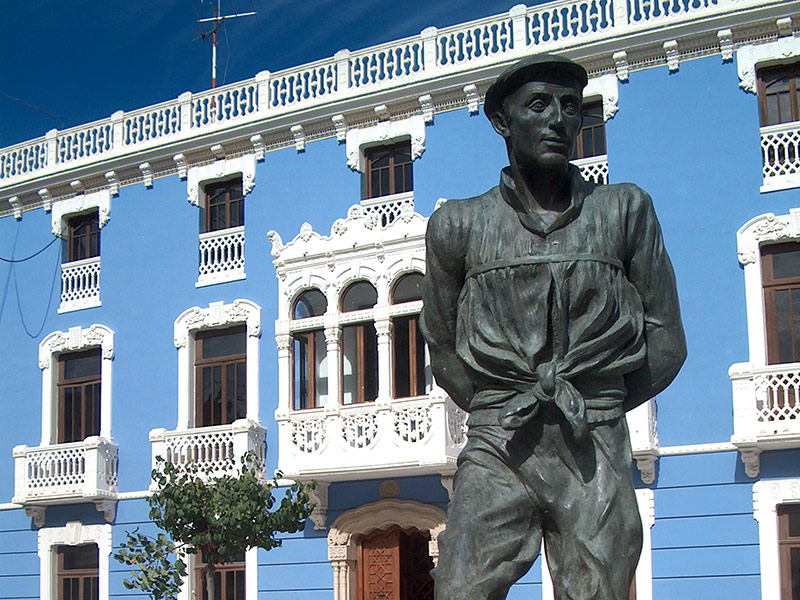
<point>358,139</point>
<point>749,57</point>
<point>64,209</point>
<point>73,534</point>
<point>74,340</point>
<point>767,496</point>
<point>644,570</point>
<point>216,316</point>
<point>343,535</point>
<point>607,87</point>
<point>198,176</point>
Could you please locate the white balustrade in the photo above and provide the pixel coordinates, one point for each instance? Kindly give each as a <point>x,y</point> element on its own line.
<point>217,450</point>
<point>411,436</point>
<point>221,256</point>
<point>388,208</point>
<point>80,284</point>
<point>766,403</point>
<point>594,168</point>
<point>521,30</point>
<point>64,472</point>
<point>780,149</point>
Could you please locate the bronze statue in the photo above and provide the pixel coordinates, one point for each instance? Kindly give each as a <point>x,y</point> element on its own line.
<point>550,308</point>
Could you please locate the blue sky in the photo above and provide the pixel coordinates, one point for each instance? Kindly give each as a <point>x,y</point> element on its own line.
<point>81,60</point>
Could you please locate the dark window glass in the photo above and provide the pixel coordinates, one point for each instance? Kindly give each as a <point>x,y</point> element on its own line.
<point>224,205</point>
<point>78,572</point>
<point>311,303</point>
<point>388,170</point>
<point>221,369</point>
<point>781,279</point>
<point>592,136</point>
<point>408,288</point>
<point>789,546</point>
<point>359,296</point>
<point>83,237</point>
<point>778,93</point>
<point>408,357</point>
<point>308,353</point>
<point>78,395</point>
<point>359,363</point>
<point>228,581</point>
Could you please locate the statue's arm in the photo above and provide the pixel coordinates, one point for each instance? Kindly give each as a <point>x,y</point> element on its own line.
<point>650,271</point>
<point>444,278</point>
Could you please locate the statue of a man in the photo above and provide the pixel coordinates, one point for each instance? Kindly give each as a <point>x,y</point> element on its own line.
<point>550,309</point>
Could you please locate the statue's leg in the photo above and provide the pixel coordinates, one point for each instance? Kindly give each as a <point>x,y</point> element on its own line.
<point>595,539</point>
<point>493,532</point>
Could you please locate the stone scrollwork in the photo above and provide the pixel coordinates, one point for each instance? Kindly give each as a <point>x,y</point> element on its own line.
<point>218,314</point>
<point>76,338</point>
<point>63,209</point>
<point>198,176</point>
<point>384,132</point>
<point>749,56</point>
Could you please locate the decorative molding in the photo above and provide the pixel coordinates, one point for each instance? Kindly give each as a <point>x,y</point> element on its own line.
<point>673,55</point>
<point>218,314</point>
<point>64,209</point>
<point>621,65</point>
<point>259,147</point>
<point>36,513</point>
<point>180,162</point>
<point>147,174</point>
<point>299,136</point>
<point>725,37</point>
<point>113,182</point>
<point>750,57</point>
<point>784,25</point>
<point>340,124</point>
<point>16,207</point>
<point>389,489</point>
<point>768,495</point>
<point>384,132</point>
<point>607,87</point>
<point>47,199</point>
<point>471,94</point>
<point>199,176</point>
<point>73,534</point>
<point>382,112</point>
<point>77,186</point>
<point>218,151</point>
<point>319,498</point>
<point>426,104</point>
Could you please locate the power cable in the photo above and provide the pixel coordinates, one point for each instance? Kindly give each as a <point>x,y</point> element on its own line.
<point>49,300</point>
<point>34,255</point>
<point>29,105</point>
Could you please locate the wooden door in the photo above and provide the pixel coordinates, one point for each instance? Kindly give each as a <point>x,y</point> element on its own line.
<point>394,565</point>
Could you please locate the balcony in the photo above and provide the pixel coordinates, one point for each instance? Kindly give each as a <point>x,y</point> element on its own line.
<point>594,168</point>
<point>221,256</point>
<point>66,473</point>
<point>415,436</point>
<point>218,449</point>
<point>780,149</point>
<point>80,284</point>
<point>766,410</point>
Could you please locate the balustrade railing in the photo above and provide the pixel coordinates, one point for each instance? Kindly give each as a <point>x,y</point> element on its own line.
<point>521,30</point>
<point>217,450</point>
<point>594,168</point>
<point>388,208</point>
<point>51,474</point>
<point>780,149</point>
<point>766,402</point>
<point>221,256</point>
<point>80,284</point>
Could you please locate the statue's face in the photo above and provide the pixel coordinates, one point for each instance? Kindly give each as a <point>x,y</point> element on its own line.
<point>540,122</point>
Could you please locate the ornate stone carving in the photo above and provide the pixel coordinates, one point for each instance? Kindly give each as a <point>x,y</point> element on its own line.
<point>259,148</point>
<point>751,460</point>
<point>341,127</point>
<point>113,182</point>
<point>747,256</point>
<point>771,228</point>
<point>147,174</point>
<point>725,37</point>
<point>389,489</point>
<point>277,244</point>
<point>673,55</point>
<point>748,56</point>
<point>36,513</point>
<point>426,104</point>
<point>220,170</point>
<point>647,468</point>
<point>382,112</point>
<point>180,161</point>
<point>47,199</point>
<point>385,132</point>
<point>63,209</point>
<point>217,314</point>
<point>319,498</point>
<point>621,65</point>
<point>218,151</point>
<point>299,136</point>
<point>471,94</point>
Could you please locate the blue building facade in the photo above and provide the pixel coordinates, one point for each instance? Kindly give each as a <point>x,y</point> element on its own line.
<point>237,270</point>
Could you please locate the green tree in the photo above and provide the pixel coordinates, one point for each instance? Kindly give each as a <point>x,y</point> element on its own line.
<point>216,517</point>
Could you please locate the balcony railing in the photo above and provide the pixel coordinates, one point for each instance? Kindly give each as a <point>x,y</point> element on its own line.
<point>64,473</point>
<point>221,256</point>
<point>413,436</point>
<point>594,168</point>
<point>217,450</point>
<point>80,284</point>
<point>435,52</point>
<point>780,149</point>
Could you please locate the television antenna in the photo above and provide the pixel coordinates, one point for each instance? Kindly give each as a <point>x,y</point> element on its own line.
<point>218,19</point>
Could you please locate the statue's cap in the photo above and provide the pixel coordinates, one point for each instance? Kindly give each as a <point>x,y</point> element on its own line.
<point>531,68</point>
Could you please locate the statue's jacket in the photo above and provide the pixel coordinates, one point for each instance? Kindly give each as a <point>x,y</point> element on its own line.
<point>579,312</point>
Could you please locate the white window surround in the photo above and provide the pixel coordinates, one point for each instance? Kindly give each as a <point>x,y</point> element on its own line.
<point>74,340</point>
<point>358,139</point>
<point>198,176</point>
<point>64,209</point>
<point>750,57</point>
<point>605,87</point>
<point>218,315</point>
<point>189,591</point>
<point>767,496</point>
<point>73,534</point>
<point>644,570</point>
<point>343,535</point>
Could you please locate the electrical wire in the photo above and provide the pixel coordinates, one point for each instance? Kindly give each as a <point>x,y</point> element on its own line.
<point>29,105</point>
<point>34,255</point>
<point>49,300</point>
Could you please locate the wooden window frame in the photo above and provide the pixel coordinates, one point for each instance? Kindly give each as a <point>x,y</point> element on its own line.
<point>90,238</point>
<point>369,168</point>
<point>90,575</point>
<point>84,383</point>
<point>225,205</point>
<point>416,344</point>
<point>218,361</point>
<point>220,571</point>
<point>770,286</point>
<point>793,73</point>
<point>597,130</point>
<point>361,362</point>
<point>785,545</point>
<point>312,368</point>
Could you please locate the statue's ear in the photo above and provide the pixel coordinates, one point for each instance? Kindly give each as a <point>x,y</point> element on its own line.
<point>498,120</point>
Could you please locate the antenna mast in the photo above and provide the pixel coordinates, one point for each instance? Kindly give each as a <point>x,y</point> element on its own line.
<point>217,19</point>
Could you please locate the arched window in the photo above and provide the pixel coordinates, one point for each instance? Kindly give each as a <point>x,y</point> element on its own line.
<point>410,375</point>
<point>309,355</point>
<point>359,346</point>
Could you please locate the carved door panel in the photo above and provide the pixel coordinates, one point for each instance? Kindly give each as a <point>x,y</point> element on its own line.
<point>379,566</point>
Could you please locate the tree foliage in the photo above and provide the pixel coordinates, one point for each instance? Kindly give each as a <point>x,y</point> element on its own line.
<point>218,517</point>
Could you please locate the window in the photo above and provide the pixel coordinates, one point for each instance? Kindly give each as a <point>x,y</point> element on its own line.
<point>359,347</point>
<point>592,136</point>
<point>780,268</point>
<point>789,543</point>
<point>779,94</point>
<point>78,572</point>
<point>78,395</point>
<point>229,583</point>
<point>83,237</point>
<point>309,353</point>
<point>388,170</point>
<point>221,372</point>
<point>224,205</point>
<point>394,563</point>
<point>409,373</point>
